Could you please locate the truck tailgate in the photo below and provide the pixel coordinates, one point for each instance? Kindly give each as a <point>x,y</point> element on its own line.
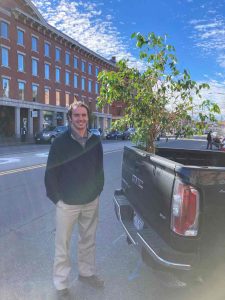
<point>148,184</point>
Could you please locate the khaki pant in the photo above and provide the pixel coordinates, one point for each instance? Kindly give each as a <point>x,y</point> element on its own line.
<point>86,216</point>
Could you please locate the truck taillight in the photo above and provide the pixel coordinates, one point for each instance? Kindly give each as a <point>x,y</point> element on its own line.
<point>185,209</point>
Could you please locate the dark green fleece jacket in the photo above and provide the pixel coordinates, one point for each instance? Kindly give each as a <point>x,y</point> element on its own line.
<point>74,173</point>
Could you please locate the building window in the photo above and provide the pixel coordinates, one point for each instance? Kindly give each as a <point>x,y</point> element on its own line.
<point>21,88</point>
<point>96,71</point>
<point>67,58</point>
<point>83,66</point>
<point>34,43</point>
<point>5,57</point>
<point>47,71</point>
<point>57,97</point>
<point>57,74</point>
<point>90,69</point>
<point>75,81</point>
<point>21,67</point>
<point>47,49</point>
<point>47,94</point>
<point>75,62</point>
<point>96,88</point>
<point>34,92</point>
<point>83,84</point>
<point>34,67</point>
<point>5,87</point>
<point>67,99</point>
<point>4,30</point>
<point>75,98</point>
<point>89,86</point>
<point>67,78</point>
<point>57,54</point>
<point>20,37</point>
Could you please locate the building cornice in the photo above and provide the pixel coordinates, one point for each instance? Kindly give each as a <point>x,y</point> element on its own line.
<point>4,11</point>
<point>34,8</point>
<point>60,36</point>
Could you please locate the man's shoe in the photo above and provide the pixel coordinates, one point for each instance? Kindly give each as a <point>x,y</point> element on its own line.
<point>93,281</point>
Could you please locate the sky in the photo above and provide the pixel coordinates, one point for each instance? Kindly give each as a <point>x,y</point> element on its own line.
<point>195,27</point>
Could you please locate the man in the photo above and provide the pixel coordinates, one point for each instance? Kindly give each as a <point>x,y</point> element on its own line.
<point>209,140</point>
<point>74,179</point>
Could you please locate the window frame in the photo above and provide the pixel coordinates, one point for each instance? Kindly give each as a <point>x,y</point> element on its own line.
<point>34,38</point>
<point>7,29</point>
<point>90,68</point>
<point>67,55</point>
<point>83,66</point>
<point>96,71</point>
<point>57,99</point>
<point>58,50</point>
<point>18,40</point>
<point>83,84</point>
<point>75,76</point>
<point>67,99</point>
<point>90,85</point>
<point>36,86</point>
<point>96,88</point>
<point>34,60</point>
<point>67,77</point>
<point>18,62</point>
<point>47,89</point>
<point>48,45</point>
<point>45,65</point>
<point>24,84</point>
<point>8,87</point>
<point>59,73</point>
<point>75,59</point>
<point>2,60</point>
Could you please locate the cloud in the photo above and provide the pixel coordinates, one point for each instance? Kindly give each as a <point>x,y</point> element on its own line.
<point>85,22</point>
<point>209,36</point>
<point>216,93</point>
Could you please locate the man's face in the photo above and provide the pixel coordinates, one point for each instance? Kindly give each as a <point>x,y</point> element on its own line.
<point>79,118</point>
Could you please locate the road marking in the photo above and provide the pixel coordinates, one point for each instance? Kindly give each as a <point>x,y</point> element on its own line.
<point>9,160</point>
<point>113,151</point>
<point>21,169</point>
<point>43,154</point>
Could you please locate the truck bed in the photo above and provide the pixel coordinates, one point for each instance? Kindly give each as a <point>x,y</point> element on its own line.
<point>193,157</point>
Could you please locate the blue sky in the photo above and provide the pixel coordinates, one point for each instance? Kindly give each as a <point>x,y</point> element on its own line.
<point>196,28</point>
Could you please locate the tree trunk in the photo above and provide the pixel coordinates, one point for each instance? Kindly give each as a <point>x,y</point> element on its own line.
<point>150,145</point>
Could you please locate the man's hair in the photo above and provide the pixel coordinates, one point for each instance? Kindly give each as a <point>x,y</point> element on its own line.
<point>76,104</point>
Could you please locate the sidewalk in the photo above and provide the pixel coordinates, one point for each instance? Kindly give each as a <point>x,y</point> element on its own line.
<point>13,141</point>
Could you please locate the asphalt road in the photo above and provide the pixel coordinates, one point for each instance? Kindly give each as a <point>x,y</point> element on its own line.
<point>27,241</point>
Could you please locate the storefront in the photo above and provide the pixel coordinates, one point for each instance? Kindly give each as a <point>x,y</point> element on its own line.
<point>48,119</point>
<point>7,122</point>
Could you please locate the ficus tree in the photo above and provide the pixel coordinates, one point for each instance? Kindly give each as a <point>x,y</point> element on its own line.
<point>159,99</point>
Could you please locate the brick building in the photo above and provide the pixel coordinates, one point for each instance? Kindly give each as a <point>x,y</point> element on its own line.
<point>42,71</point>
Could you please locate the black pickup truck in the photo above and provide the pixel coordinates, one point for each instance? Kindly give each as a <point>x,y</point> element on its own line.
<point>172,207</point>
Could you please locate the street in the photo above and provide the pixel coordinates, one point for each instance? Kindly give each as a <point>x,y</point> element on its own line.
<point>27,236</point>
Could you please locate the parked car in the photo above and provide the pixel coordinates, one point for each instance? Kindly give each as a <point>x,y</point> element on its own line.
<point>48,135</point>
<point>127,134</point>
<point>95,131</point>
<point>114,135</point>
